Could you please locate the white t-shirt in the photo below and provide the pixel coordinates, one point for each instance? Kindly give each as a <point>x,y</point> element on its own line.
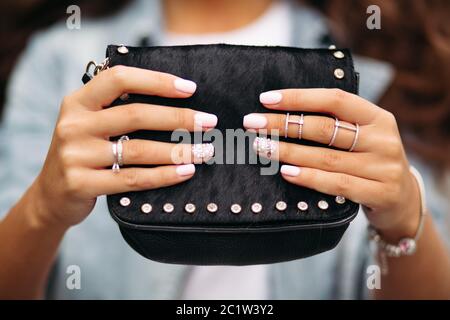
<point>227,282</point>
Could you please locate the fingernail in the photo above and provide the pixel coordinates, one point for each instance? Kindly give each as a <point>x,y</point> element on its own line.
<point>205,120</point>
<point>185,86</point>
<point>255,121</point>
<point>291,171</point>
<point>270,97</point>
<point>185,169</point>
<point>202,152</point>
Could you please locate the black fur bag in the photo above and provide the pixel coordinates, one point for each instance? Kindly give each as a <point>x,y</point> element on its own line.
<point>230,79</point>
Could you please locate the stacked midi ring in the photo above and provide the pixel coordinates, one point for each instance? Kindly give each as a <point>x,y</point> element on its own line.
<point>300,123</point>
<point>338,125</point>
<point>117,150</point>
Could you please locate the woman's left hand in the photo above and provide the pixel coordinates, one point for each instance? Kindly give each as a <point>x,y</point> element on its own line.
<point>376,174</point>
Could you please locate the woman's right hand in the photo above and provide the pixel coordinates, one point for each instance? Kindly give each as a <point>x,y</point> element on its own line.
<point>78,165</point>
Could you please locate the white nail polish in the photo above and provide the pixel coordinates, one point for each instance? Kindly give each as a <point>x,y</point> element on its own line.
<point>270,97</point>
<point>185,86</point>
<point>205,120</point>
<point>254,121</point>
<point>185,170</point>
<point>291,171</point>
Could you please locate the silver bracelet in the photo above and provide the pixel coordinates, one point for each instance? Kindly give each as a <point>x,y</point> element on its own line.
<point>406,246</point>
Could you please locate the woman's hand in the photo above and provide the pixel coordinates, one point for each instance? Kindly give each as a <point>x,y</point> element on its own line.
<point>376,174</point>
<point>78,164</point>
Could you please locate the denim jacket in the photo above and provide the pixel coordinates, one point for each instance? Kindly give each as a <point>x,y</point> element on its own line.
<point>51,67</point>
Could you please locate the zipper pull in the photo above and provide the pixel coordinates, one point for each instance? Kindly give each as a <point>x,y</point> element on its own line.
<point>96,69</point>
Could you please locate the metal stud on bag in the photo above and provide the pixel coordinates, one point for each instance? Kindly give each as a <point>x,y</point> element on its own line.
<point>124,201</point>
<point>235,208</point>
<point>212,207</point>
<point>256,207</point>
<point>339,55</point>
<point>146,208</point>
<point>302,206</point>
<point>339,73</point>
<point>322,204</point>
<point>122,49</point>
<point>189,208</point>
<point>168,208</point>
<point>281,206</point>
<point>339,200</point>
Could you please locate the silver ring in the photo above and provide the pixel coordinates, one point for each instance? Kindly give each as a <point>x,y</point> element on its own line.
<point>355,139</point>
<point>286,123</point>
<point>115,167</point>
<point>336,128</point>
<point>120,149</point>
<point>299,123</point>
<point>300,126</point>
<point>117,150</point>
<point>265,146</point>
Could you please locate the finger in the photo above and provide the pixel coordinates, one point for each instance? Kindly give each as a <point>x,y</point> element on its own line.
<point>314,128</point>
<point>361,164</point>
<point>135,179</point>
<point>343,105</point>
<point>103,89</point>
<point>138,116</point>
<point>357,189</point>
<point>144,152</point>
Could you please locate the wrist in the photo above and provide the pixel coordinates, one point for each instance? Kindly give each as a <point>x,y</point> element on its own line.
<point>38,211</point>
<point>410,213</point>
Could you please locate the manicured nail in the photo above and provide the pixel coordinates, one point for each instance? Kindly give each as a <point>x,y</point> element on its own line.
<point>255,121</point>
<point>185,86</point>
<point>270,97</point>
<point>291,171</point>
<point>202,152</point>
<point>185,169</point>
<point>205,120</point>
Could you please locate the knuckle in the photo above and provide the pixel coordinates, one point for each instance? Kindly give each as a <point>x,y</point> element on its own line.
<point>393,195</point>
<point>73,182</point>
<point>134,150</point>
<point>67,156</point>
<point>67,128</point>
<point>326,128</point>
<point>279,122</point>
<point>395,173</point>
<point>118,75</point>
<point>131,178</point>
<point>182,118</point>
<point>133,114</point>
<point>296,97</point>
<point>338,96</point>
<point>343,184</point>
<point>393,147</point>
<point>67,102</point>
<point>390,117</point>
<point>330,160</point>
<point>390,120</point>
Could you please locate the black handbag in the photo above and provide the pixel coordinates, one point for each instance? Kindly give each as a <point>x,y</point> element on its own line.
<point>230,214</point>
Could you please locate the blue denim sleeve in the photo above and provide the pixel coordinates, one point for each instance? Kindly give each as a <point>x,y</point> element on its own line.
<point>31,109</point>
